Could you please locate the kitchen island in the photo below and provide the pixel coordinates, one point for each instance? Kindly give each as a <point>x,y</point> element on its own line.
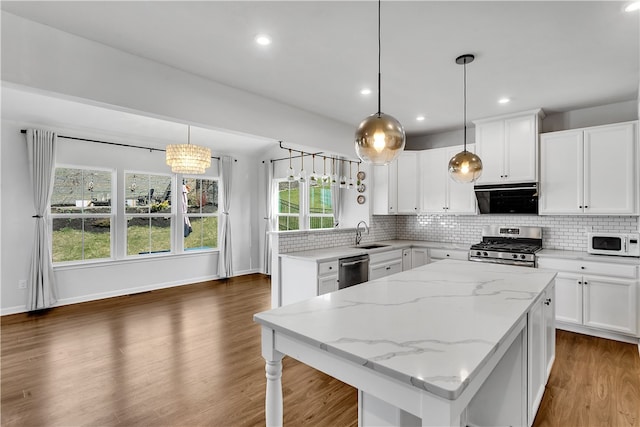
<point>449,343</point>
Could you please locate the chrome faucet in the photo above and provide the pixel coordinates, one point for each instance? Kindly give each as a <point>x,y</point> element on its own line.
<point>359,233</point>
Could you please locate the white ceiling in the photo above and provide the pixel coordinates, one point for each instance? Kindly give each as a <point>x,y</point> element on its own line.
<point>551,54</point>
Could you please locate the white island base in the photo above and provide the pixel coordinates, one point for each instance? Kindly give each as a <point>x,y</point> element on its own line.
<point>406,377</point>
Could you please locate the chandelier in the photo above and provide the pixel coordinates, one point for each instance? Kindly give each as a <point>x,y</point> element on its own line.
<point>188,158</point>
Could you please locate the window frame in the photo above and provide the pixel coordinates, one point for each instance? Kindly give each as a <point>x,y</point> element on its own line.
<point>276,203</point>
<point>304,215</point>
<point>182,215</point>
<point>311,216</point>
<point>112,216</point>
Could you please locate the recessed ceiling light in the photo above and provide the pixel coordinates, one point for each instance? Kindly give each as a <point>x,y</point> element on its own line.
<point>503,100</point>
<point>632,7</point>
<point>365,91</point>
<point>263,40</point>
<point>420,118</point>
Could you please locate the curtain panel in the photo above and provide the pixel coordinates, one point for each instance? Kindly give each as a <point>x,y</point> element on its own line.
<point>41,151</point>
<point>268,216</point>
<point>226,267</point>
<point>336,194</point>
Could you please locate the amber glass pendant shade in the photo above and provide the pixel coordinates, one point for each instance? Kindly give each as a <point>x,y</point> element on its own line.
<point>465,167</point>
<point>380,138</point>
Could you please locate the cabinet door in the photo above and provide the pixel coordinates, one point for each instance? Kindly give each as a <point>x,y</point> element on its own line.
<point>610,304</point>
<point>406,260</point>
<point>384,189</point>
<point>569,298</point>
<point>536,366</point>
<point>433,172</point>
<point>490,148</point>
<point>327,284</point>
<point>419,256</point>
<point>461,197</point>
<point>520,149</point>
<point>550,329</point>
<point>561,173</point>
<point>386,269</point>
<point>407,184</point>
<point>610,162</point>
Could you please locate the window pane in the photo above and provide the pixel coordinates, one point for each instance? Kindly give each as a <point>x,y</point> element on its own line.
<point>147,193</point>
<point>204,234</point>
<point>148,235</point>
<point>288,197</point>
<point>81,190</point>
<point>202,195</point>
<point>320,222</point>
<point>75,239</point>
<point>209,196</point>
<point>320,199</point>
<point>288,223</point>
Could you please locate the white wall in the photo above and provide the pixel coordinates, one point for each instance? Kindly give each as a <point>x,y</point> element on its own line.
<point>104,279</point>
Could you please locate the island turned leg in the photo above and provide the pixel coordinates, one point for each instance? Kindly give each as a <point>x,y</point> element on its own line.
<point>273,368</point>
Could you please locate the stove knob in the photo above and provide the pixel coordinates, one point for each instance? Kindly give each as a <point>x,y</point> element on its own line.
<point>523,256</point>
<point>478,253</point>
<point>485,254</point>
<point>515,256</point>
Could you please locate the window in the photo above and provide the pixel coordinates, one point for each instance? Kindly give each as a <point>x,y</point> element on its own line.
<point>288,209</point>
<point>320,207</point>
<point>81,214</point>
<point>148,212</point>
<point>200,209</point>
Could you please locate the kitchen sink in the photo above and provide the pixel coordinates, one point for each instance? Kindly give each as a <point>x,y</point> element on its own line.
<point>371,246</point>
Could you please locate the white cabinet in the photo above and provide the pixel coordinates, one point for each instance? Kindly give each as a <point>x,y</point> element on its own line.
<point>385,263</point>
<point>406,259</point>
<point>541,348</point>
<point>438,254</point>
<point>327,277</point>
<point>384,189</point>
<point>508,147</point>
<point>395,186</point>
<point>439,193</point>
<point>590,171</point>
<point>419,256</point>
<point>596,295</point>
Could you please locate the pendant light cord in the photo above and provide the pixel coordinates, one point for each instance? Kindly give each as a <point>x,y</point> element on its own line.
<point>379,55</point>
<point>465,104</point>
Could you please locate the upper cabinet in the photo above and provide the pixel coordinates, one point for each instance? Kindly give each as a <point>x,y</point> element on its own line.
<point>590,171</point>
<point>395,186</point>
<point>441,194</point>
<point>508,147</point>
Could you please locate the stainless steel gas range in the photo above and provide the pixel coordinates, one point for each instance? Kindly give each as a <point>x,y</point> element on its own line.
<point>508,245</point>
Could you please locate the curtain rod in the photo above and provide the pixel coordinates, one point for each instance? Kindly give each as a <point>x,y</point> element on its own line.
<point>119,144</point>
<point>302,154</point>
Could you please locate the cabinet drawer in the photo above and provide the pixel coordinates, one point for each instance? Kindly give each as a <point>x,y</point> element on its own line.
<point>448,254</point>
<point>590,267</point>
<point>377,271</point>
<point>327,284</point>
<point>381,257</point>
<point>329,267</point>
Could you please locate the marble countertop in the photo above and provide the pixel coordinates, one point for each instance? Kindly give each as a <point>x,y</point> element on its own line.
<point>328,254</point>
<point>584,256</point>
<point>433,327</point>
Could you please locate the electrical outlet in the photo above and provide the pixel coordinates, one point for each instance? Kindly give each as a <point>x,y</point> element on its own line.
<point>22,284</point>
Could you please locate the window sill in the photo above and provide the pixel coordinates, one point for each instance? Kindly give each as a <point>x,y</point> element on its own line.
<point>131,260</point>
<point>314,230</point>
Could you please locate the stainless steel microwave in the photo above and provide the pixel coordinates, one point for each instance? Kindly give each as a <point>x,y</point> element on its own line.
<point>621,244</point>
<point>507,198</point>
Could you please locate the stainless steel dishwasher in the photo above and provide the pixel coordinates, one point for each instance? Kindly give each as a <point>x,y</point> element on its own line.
<point>353,270</point>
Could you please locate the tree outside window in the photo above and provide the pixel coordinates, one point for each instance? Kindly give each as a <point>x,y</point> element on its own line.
<point>81,214</point>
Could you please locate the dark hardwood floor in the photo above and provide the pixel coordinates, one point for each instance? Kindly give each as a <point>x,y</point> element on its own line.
<point>190,356</point>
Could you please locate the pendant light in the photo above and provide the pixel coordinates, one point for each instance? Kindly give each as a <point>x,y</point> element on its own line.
<point>188,158</point>
<point>380,138</point>
<point>465,167</point>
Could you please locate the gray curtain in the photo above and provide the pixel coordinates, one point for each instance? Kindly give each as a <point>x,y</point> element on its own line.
<point>336,195</point>
<point>268,216</point>
<point>41,149</point>
<point>226,267</point>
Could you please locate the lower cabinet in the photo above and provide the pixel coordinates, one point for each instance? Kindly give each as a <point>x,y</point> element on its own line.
<point>327,277</point>
<point>414,257</point>
<point>438,254</point>
<point>385,263</point>
<point>596,295</point>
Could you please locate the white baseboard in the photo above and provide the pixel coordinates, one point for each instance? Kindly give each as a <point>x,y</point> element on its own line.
<point>598,333</point>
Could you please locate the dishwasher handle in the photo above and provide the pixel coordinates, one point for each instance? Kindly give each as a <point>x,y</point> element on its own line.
<point>347,264</point>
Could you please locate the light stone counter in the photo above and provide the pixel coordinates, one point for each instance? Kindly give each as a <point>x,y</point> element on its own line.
<point>584,256</point>
<point>432,328</point>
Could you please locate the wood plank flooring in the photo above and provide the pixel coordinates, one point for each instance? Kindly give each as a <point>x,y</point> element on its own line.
<point>190,356</point>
